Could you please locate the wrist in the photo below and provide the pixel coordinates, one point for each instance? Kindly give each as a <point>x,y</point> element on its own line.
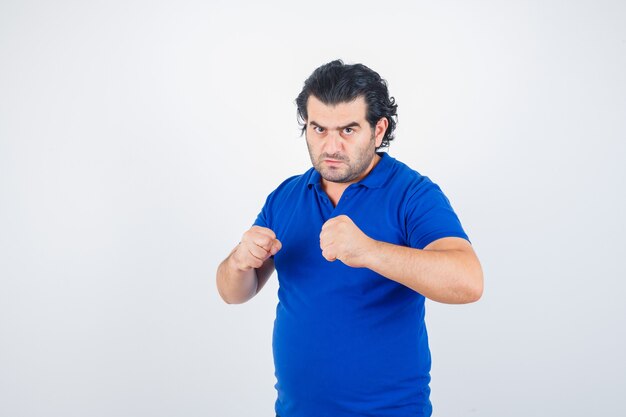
<point>234,263</point>
<point>368,254</point>
<point>373,254</point>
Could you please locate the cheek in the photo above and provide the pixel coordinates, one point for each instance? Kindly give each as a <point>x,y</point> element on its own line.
<point>364,145</point>
<point>312,148</point>
<point>315,145</point>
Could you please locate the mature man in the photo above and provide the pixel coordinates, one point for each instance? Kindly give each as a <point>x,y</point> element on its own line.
<point>358,241</point>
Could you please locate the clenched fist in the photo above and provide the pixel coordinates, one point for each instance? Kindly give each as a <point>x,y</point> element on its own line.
<point>342,239</point>
<point>257,244</point>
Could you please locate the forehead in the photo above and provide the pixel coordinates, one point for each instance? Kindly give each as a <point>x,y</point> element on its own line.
<point>346,112</point>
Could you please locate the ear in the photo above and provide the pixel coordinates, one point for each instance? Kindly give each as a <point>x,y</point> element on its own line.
<point>380,129</point>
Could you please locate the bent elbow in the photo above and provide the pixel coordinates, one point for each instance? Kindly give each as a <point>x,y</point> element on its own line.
<point>474,291</point>
<point>230,298</point>
<point>474,294</point>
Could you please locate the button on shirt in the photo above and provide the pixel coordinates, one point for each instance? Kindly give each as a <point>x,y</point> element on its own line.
<point>348,341</point>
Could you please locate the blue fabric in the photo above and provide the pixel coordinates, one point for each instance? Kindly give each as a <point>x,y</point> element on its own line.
<point>348,341</point>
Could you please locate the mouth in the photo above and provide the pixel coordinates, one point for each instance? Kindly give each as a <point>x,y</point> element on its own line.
<point>333,162</point>
<point>332,159</point>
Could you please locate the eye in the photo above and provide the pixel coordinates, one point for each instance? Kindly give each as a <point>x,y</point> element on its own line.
<point>348,130</point>
<point>318,129</point>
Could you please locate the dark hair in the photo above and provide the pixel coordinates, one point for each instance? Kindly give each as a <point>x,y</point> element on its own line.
<point>336,82</point>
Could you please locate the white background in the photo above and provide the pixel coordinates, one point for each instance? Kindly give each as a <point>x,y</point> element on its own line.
<point>139,139</point>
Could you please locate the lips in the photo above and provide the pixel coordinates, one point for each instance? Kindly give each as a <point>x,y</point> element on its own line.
<point>332,159</point>
<point>333,163</point>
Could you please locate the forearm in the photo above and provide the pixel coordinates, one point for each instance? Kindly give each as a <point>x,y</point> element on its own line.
<point>450,276</point>
<point>244,272</point>
<point>235,286</point>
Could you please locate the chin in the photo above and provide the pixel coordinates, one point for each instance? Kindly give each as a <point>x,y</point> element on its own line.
<point>336,178</point>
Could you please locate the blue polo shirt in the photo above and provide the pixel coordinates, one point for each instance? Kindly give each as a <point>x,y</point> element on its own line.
<point>348,341</point>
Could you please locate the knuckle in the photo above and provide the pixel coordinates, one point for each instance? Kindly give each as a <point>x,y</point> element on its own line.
<point>265,231</point>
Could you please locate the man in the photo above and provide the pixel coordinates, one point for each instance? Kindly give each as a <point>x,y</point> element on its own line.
<point>358,242</point>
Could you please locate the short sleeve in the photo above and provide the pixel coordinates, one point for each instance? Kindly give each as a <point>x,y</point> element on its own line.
<point>429,216</point>
<point>263,218</point>
<point>274,203</point>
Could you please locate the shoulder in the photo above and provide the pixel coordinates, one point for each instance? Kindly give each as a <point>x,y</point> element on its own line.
<point>295,182</point>
<point>407,179</point>
<point>418,193</point>
<point>291,186</point>
<point>425,210</point>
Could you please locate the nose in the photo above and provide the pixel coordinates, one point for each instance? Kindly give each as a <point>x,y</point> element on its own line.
<point>333,143</point>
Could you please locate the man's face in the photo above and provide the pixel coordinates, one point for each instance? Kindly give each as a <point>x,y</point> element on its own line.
<point>341,143</point>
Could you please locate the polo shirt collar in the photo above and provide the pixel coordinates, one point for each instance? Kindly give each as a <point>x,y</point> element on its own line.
<point>379,174</point>
<point>375,179</point>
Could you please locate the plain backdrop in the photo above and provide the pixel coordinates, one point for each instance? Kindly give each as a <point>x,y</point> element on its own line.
<point>139,139</point>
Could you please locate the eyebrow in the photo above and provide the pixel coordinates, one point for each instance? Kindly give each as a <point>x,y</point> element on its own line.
<point>351,124</point>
